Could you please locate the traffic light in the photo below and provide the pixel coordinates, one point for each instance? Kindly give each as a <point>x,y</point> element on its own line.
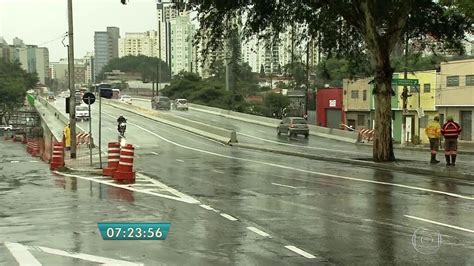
<point>67,104</point>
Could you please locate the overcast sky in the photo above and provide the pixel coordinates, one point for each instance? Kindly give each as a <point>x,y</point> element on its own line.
<point>40,21</point>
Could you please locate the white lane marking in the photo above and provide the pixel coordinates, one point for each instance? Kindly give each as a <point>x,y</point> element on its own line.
<point>229,217</point>
<point>298,146</point>
<point>86,257</point>
<point>179,160</point>
<point>155,153</point>
<point>34,161</point>
<point>281,185</point>
<point>178,195</point>
<point>438,223</point>
<point>22,255</point>
<point>306,171</point>
<point>213,120</point>
<point>50,209</point>
<point>217,171</point>
<point>175,128</point>
<point>301,252</point>
<point>14,161</point>
<point>258,231</point>
<point>207,207</point>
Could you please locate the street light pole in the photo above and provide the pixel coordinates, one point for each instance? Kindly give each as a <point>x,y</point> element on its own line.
<point>72,102</point>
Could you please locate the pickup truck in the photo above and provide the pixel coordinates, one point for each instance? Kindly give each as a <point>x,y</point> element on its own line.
<point>82,113</point>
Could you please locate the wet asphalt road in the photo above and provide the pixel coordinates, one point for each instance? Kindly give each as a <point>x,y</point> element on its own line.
<point>340,214</point>
<point>262,135</point>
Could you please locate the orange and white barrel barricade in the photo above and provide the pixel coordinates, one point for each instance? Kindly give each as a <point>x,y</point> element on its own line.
<point>29,145</point>
<point>113,159</point>
<point>366,134</point>
<point>35,147</point>
<point>58,156</point>
<point>124,172</point>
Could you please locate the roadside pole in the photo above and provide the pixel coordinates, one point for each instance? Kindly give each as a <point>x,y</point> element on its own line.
<point>100,130</point>
<point>89,98</point>
<point>72,102</point>
<point>90,130</point>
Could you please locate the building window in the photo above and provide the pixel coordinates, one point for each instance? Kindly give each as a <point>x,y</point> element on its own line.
<point>452,81</point>
<point>469,80</point>
<point>354,94</point>
<point>360,120</point>
<point>364,95</point>
<point>426,87</point>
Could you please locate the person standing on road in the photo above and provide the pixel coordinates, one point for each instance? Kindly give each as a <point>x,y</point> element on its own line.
<point>67,137</point>
<point>433,132</point>
<point>451,131</point>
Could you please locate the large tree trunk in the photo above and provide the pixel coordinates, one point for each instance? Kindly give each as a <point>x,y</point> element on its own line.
<point>383,144</point>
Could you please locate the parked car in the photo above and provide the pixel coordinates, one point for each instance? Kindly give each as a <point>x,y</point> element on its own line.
<point>6,127</point>
<point>126,99</point>
<point>160,103</point>
<point>293,126</point>
<point>181,104</point>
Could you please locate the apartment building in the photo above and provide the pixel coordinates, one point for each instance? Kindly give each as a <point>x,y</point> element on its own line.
<point>455,94</point>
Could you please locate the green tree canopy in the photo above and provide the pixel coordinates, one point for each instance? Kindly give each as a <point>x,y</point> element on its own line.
<point>274,104</point>
<point>347,28</point>
<point>146,66</point>
<point>14,82</point>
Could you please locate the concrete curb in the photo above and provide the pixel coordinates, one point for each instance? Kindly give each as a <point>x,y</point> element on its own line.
<point>460,150</point>
<point>384,166</point>
<point>185,128</point>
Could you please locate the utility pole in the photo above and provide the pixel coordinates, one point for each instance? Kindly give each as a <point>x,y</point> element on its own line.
<point>308,46</point>
<point>158,83</point>
<point>72,102</point>
<point>405,94</point>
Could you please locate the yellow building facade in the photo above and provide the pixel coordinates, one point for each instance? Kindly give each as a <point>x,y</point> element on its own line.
<point>422,102</point>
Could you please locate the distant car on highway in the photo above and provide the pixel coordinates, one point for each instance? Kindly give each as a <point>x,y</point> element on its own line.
<point>160,103</point>
<point>51,97</point>
<point>82,112</point>
<point>181,104</point>
<point>126,99</point>
<point>293,126</point>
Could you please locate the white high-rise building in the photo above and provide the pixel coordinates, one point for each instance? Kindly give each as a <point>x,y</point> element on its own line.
<point>181,44</point>
<point>253,53</point>
<point>42,64</point>
<point>165,12</point>
<point>89,65</point>
<point>139,43</point>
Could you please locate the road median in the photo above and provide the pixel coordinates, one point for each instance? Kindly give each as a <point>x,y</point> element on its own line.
<point>330,133</point>
<point>221,135</point>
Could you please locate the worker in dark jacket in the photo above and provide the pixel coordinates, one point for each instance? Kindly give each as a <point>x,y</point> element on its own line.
<point>450,130</point>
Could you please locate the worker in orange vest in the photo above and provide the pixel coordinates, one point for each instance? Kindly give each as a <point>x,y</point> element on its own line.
<point>433,132</point>
<point>451,131</point>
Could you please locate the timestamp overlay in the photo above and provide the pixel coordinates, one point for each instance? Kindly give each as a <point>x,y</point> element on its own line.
<point>134,231</point>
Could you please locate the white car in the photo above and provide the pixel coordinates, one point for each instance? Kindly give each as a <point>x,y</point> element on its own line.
<point>181,104</point>
<point>126,99</point>
<point>6,127</point>
<point>82,112</point>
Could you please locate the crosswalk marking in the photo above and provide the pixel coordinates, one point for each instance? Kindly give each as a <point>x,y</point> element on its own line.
<point>23,256</point>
